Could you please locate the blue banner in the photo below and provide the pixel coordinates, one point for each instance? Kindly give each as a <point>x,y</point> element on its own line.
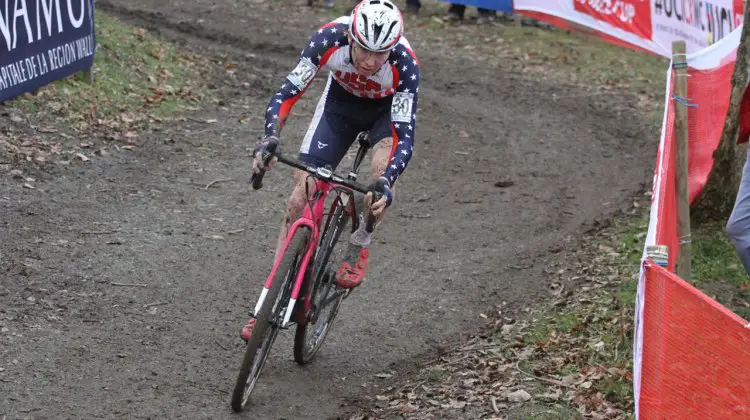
<point>42,41</point>
<point>505,6</point>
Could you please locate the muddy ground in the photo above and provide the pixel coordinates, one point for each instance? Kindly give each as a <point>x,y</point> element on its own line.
<point>125,280</point>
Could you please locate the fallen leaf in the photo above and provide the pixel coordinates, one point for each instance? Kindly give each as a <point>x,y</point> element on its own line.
<point>551,396</point>
<point>518,396</point>
<point>568,380</point>
<point>83,157</point>
<point>384,375</point>
<point>408,408</point>
<point>504,184</point>
<point>454,404</point>
<point>526,353</point>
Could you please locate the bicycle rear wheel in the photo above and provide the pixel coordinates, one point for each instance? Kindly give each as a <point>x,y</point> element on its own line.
<point>269,320</point>
<point>326,297</point>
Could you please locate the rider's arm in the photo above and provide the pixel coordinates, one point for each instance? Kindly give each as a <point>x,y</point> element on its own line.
<point>403,112</point>
<point>319,48</point>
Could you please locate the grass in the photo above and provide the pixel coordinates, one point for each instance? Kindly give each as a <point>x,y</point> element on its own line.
<point>717,270</point>
<point>535,411</point>
<point>134,72</point>
<point>590,59</point>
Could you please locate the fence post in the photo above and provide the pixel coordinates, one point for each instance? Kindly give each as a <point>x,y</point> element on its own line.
<point>679,64</point>
<point>88,76</point>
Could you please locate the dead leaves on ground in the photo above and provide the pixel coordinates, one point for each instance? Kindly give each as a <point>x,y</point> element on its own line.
<point>72,120</point>
<point>572,357</point>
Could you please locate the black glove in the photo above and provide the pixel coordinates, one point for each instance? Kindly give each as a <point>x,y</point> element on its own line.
<point>266,148</point>
<point>382,187</point>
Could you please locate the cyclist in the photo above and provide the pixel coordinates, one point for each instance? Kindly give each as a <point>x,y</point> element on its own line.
<point>373,84</point>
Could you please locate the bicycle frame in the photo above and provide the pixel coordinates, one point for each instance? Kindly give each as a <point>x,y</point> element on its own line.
<point>312,219</point>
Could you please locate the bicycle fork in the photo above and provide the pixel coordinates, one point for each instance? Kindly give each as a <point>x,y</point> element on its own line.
<point>297,281</point>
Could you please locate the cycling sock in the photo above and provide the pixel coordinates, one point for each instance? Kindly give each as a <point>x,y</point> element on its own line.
<point>361,237</point>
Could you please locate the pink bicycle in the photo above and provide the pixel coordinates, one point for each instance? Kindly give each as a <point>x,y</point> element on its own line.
<point>300,290</point>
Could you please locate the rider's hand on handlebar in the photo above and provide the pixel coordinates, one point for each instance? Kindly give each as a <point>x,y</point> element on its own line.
<point>383,187</point>
<point>262,154</point>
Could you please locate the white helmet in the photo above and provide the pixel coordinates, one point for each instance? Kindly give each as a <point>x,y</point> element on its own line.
<point>376,25</point>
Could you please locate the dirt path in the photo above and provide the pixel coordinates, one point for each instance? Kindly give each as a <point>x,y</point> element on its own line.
<point>126,280</point>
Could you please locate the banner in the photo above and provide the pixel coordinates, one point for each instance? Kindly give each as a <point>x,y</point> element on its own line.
<point>656,387</point>
<point>649,25</point>
<point>42,41</point>
<point>505,6</point>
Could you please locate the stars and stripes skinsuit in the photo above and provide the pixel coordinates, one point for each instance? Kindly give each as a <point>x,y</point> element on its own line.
<point>384,104</point>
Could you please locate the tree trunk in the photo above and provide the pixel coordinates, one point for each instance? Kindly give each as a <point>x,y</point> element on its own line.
<point>716,200</point>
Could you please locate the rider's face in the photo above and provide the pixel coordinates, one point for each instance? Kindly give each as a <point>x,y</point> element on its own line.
<point>366,62</point>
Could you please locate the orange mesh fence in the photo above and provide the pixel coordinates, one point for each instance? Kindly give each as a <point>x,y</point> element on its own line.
<point>696,353</point>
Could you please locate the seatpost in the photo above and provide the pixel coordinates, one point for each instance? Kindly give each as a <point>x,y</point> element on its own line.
<point>364,146</point>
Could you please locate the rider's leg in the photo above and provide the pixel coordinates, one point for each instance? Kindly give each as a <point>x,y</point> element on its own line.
<point>352,269</point>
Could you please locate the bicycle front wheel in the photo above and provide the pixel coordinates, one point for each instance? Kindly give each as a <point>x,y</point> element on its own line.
<point>309,337</point>
<point>268,320</point>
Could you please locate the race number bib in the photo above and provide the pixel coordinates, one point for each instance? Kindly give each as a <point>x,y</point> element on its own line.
<point>303,74</point>
<point>401,107</point>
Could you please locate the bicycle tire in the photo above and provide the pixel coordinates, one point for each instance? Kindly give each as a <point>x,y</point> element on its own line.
<point>303,353</point>
<point>260,342</point>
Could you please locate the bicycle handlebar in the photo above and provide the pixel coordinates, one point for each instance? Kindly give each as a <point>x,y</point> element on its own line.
<point>321,173</point>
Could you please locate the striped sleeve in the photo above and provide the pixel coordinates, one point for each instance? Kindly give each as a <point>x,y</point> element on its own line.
<point>314,56</point>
